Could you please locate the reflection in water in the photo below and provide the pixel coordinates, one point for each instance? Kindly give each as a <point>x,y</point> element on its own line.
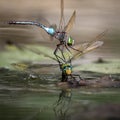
<point>62,105</point>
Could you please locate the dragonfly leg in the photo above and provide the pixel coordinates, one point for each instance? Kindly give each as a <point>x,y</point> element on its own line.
<point>58,57</point>
<point>78,76</point>
<point>67,48</point>
<point>75,49</point>
<point>75,80</point>
<point>61,50</point>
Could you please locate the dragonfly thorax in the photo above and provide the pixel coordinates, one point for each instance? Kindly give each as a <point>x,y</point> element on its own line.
<point>60,36</point>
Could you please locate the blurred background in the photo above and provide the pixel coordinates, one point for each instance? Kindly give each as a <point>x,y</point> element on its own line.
<point>26,95</point>
<point>92,18</point>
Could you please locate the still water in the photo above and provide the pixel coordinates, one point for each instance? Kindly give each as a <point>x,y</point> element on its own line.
<point>23,98</point>
<point>40,105</point>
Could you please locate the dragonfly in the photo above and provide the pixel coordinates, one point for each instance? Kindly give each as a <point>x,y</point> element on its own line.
<point>66,67</point>
<point>60,33</point>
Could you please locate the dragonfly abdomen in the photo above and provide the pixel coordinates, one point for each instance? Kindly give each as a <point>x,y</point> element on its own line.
<point>27,23</point>
<point>49,30</point>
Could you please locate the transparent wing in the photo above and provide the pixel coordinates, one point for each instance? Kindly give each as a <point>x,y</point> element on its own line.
<point>26,65</point>
<point>23,66</point>
<point>39,52</point>
<point>87,47</point>
<point>93,46</point>
<point>61,24</point>
<point>70,22</point>
<point>84,48</point>
<point>101,35</point>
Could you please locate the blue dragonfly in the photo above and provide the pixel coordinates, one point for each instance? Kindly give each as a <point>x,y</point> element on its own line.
<point>60,33</point>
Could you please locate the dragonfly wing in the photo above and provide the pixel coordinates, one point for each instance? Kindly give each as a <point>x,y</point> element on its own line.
<point>39,52</point>
<point>62,8</point>
<point>42,65</point>
<point>53,26</point>
<point>70,22</point>
<point>80,47</point>
<point>98,37</point>
<point>93,46</point>
<point>42,20</point>
<point>61,14</point>
<point>86,47</point>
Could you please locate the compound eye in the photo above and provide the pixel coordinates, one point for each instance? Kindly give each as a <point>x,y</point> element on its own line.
<point>70,41</point>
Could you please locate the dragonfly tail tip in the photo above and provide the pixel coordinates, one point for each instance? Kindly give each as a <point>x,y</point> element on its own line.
<point>11,22</point>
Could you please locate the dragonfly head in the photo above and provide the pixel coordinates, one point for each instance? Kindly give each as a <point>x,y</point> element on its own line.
<point>70,41</point>
<point>67,69</point>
